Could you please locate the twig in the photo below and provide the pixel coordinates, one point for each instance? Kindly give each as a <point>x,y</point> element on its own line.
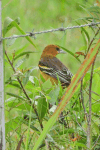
<point>21,140</point>
<point>88,93</point>
<point>24,90</point>
<point>51,30</point>
<point>93,40</point>
<point>47,145</point>
<point>95,142</point>
<point>82,99</point>
<point>95,93</point>
<point>89,116</point>
<point>79,124</point>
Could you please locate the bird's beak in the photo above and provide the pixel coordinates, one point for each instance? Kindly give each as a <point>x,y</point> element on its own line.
<point>61,51</point>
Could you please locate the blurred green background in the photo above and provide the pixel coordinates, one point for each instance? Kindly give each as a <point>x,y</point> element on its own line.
<point>43,15</point>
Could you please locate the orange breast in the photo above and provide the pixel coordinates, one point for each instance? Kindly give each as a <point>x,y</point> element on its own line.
<point>46,77</point>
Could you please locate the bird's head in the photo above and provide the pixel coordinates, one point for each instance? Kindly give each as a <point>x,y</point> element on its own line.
<point>52,50</point>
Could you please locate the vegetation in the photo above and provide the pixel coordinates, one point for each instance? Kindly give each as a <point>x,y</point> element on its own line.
<point>28,95</point>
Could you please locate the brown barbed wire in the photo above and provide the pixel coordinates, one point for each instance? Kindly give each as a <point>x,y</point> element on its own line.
<point>32,34</point>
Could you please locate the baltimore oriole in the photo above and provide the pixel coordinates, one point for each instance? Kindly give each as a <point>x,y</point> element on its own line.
<point>51,67</point>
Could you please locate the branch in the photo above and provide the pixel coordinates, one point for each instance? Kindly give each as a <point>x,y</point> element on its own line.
<point>89,116</point>
<point>79,124</point>
<point>95,142</point>
<point>93,40</point>
<point>82,99</point>
<point>24,90</point>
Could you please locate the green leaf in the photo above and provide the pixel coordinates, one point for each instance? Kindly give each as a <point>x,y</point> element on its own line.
<point>14,85</point>
<point>47,85</point>
<point>42,79</point>
<point>36,81</point>
<point>96,86</point>
<point>22,54</point>
<point>26,77</point>
<point>11,41</point>
<point>9,23</point>
<point>88,19</point>
<point>19,62</point>
<point>85,41</point>
<point>83,31</point>
<point>31,79</point>
<point>86,33</point>
<point>82,48</point>
<point>70,53</point>
<point>14,95</point>
<point>42,107</point>
<point>54,95</point>
<point>18,51</point>
<point>10,100</point>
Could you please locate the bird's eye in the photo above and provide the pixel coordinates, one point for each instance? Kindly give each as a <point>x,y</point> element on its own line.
<point>57,48</point>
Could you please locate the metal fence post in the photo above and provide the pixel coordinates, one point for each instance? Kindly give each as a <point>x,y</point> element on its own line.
<point>2,117</point>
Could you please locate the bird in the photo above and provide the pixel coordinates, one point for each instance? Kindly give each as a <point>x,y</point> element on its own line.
<point>52,68</point>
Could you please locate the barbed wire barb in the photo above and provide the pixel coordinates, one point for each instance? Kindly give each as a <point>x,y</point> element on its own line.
<point>51,30</point>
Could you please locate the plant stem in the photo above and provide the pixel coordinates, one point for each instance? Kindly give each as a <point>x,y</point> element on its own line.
<point>89,116</point>
<point>24,90</point>
<point>93,40</point>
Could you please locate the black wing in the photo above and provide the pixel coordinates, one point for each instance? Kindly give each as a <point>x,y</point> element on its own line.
<point>54,67</point>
